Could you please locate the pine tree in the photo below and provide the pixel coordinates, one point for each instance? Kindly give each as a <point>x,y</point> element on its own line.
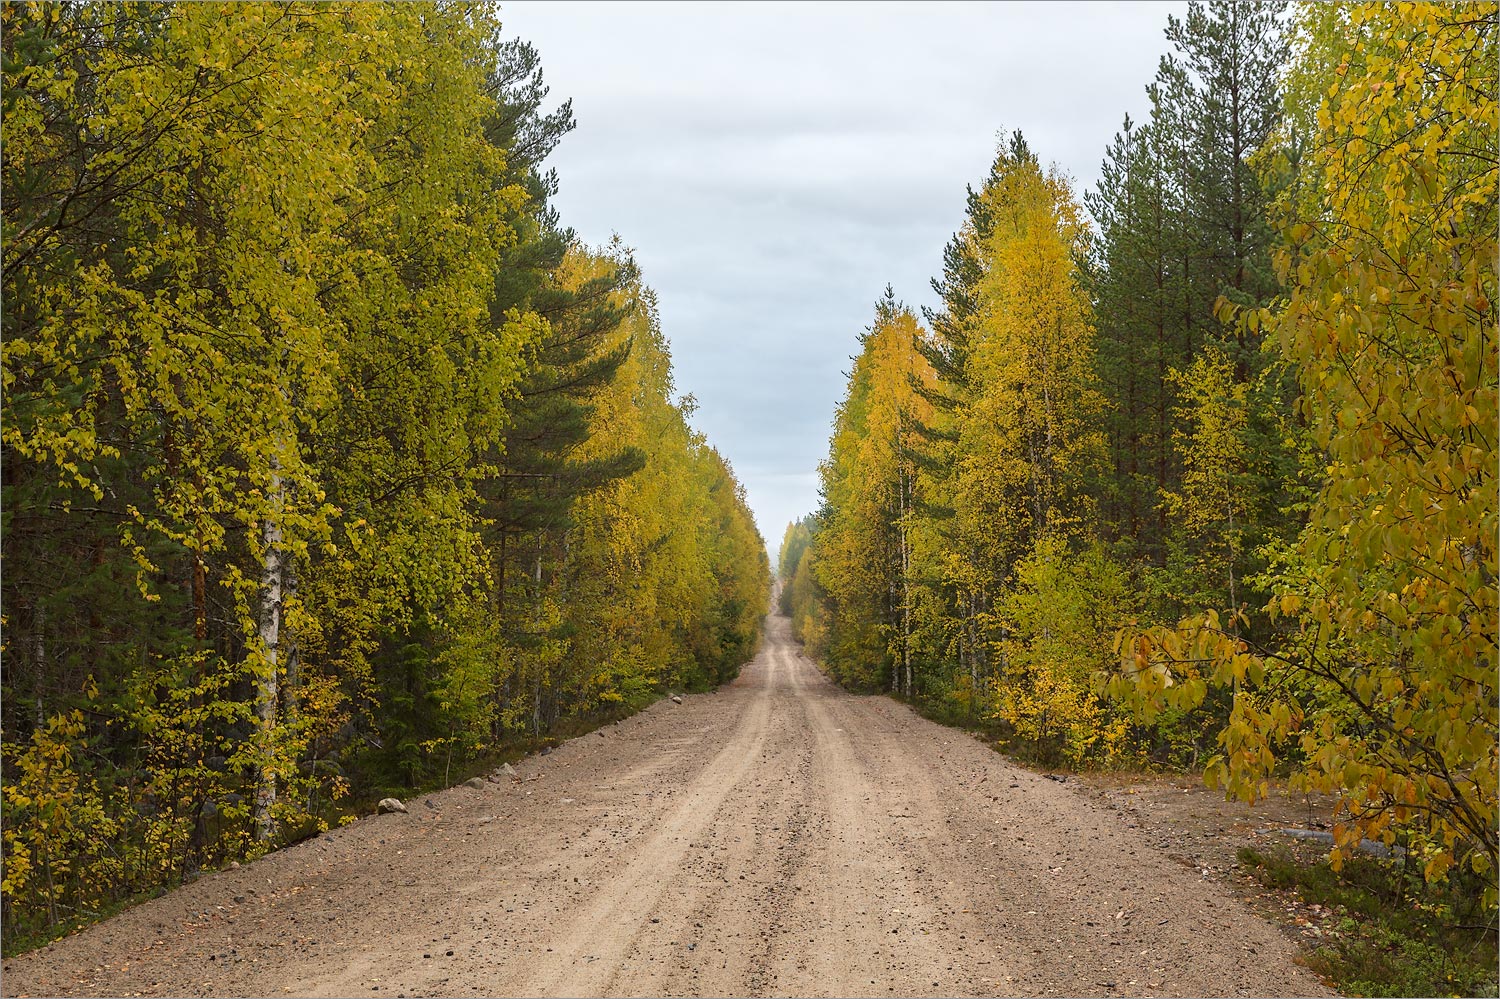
<point>1181,217</point>
<point>538,477</point>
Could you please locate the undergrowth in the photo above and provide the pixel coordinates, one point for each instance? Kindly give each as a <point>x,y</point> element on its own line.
<point>1391,934</point>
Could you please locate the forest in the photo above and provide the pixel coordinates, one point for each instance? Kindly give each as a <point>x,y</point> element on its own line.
<point>1197,468</point>
<point>335,464</point>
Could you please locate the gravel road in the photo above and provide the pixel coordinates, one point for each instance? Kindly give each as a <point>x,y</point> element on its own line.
<point>779,837</point>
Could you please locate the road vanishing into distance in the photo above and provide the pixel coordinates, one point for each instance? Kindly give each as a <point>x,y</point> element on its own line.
<point>777,837</point>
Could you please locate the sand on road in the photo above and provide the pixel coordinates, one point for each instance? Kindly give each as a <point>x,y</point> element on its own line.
<point>777,837</point>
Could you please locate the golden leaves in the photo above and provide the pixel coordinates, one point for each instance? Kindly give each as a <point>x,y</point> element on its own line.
<point>1393,582</point>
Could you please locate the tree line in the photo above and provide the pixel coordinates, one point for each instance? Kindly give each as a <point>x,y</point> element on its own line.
<point>1201,470</point>
<point>333,461</point>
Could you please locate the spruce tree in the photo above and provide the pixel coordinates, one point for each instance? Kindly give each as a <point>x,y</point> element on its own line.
<point>1180,212</point>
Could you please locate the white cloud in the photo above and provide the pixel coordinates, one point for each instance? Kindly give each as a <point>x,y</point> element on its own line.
<point>775,165</point>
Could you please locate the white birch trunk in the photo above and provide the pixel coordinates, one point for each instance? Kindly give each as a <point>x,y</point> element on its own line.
<point>266,693</point>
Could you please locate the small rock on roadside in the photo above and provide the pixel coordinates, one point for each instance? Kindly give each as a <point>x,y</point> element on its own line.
<point>506,770</point>
<point>477,783</point>
<point>390,805</point>
<point>676,699</point>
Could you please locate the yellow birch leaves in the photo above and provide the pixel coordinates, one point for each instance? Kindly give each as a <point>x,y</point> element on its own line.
<point>1386,690</point>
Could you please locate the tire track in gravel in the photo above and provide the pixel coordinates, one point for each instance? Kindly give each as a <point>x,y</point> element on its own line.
<point>586,955</point>
<point>874,907</point>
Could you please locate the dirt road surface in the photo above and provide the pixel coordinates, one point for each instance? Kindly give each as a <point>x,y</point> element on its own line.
<point>777,837</point>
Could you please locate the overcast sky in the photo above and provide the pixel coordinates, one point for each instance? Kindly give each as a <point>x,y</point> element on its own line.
<point>775,166</point>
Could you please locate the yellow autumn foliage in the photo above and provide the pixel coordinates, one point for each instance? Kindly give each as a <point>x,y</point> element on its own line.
<point>1385,692</point>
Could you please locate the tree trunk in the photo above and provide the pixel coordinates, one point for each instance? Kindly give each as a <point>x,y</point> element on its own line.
<point>906,581</point>
<point>536,698</point>
<point>39,658</point>
<point>200,597</point>
<point>272,578</point>
<point>501,687</point>
<point>969,639</point>
<point>288,637</point>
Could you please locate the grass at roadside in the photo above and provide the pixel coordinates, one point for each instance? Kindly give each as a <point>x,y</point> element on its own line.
<point>1379,930</point>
